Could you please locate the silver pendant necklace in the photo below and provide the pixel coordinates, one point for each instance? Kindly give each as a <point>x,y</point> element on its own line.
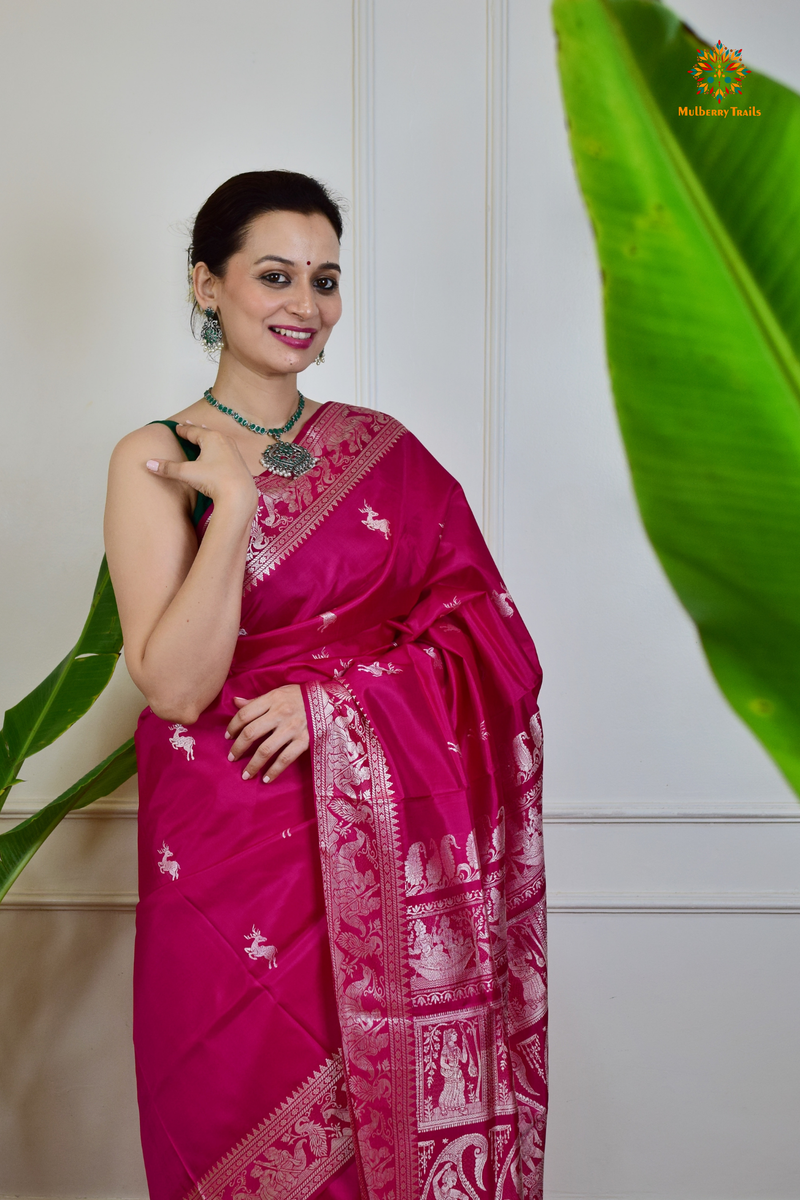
<point>280,458</point>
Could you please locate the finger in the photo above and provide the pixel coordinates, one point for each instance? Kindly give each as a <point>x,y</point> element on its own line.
<point>283,735</point>
<point>165,467</point>
<point>267,750</point>
<point>279,744</point>
<point>287,756</point>
<point>252,733</point>
<point>239,701</point>
<point>250,711</point>
<point>189,432</point>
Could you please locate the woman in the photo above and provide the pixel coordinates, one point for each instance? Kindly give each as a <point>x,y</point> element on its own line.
<point>307,602</point>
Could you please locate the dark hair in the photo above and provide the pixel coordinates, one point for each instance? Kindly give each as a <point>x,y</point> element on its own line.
<point>221,225</point>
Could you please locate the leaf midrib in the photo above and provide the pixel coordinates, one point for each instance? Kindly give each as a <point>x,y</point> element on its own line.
<point>752,294</point>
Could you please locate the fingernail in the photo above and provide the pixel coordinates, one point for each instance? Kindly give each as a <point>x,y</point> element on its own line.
<point>227,735</point>
<point>152,464</point>
<point>230,758</point>
<point>266,779</point>
<point>245,774</point>
<point>187,422</point>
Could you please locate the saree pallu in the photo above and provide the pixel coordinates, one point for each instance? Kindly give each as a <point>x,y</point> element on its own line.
<point>339,982</point>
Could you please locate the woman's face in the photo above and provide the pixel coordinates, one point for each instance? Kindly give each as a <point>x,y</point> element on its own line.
<point>279,298</point>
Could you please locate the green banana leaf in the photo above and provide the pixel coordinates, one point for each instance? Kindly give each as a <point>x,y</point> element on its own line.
<point>68,692</point>
<point>18,846</point>
<point>697,221</point>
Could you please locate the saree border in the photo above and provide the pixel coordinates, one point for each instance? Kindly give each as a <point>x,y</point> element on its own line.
<point>334,478</point>
<point>363,879</point>
<point>317,1112</point>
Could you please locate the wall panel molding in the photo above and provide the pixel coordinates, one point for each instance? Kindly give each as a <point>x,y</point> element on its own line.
<point>99,810</point>
<point>494,380</point>
<point>556,812</point>
<point>674,903</point>
<point>646,812</point>
<point>70,901</point>
<point>363,218</point>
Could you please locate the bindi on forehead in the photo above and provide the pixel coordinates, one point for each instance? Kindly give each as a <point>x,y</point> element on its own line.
<point>308,264</point>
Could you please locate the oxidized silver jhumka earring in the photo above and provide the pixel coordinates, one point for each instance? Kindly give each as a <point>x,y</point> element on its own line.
<point>320,359</point>
<point>211,332</point>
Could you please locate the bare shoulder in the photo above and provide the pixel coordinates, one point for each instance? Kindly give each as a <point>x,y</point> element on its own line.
<point>151,441</point>
<point>129,480</point>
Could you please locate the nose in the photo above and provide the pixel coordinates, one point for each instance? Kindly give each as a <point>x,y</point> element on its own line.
<point>302,302</point>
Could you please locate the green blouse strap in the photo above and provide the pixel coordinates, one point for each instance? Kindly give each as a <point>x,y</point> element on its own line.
<point>192,452</point>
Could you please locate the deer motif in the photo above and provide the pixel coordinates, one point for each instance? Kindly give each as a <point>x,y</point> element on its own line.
<point>373,521</point>
<point>179,742</point>
<point>165,866</point>
<point>503,603</point>
<point>259,948</point>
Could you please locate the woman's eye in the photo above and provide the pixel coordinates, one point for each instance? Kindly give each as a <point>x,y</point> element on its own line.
<point>275,277</point>
<point>326,284</point>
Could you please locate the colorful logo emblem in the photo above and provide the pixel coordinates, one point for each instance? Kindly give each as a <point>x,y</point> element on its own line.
<point>719,72</point>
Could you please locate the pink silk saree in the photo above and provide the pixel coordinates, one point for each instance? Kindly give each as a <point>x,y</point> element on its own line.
<point>339,981</point>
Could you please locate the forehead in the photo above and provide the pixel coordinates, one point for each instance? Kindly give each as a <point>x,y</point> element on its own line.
<point>291,235</point>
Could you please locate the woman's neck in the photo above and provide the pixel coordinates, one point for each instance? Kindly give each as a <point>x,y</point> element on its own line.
<point>267,400</point>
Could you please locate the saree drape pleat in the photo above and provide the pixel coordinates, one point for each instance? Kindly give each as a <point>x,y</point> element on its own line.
<point>340,977</point>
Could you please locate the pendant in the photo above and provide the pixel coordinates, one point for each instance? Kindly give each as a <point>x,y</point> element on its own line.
<point>287,459</point>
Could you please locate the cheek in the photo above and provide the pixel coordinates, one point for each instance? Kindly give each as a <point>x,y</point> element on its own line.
<point>332,310</point>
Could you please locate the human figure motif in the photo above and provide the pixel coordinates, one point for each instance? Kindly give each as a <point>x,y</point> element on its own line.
<point>453,1095</point>
<point>445,1184</point>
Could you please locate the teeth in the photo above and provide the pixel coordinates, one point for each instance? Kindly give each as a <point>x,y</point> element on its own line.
<point>293,333</point>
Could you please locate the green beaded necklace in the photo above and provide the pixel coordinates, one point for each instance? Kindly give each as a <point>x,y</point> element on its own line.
<point>281,458</point>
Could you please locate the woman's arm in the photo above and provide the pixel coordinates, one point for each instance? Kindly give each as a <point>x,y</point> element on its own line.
<point>180,605</point>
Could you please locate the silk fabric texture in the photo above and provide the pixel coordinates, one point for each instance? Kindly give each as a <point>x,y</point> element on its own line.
<point>339,984</point>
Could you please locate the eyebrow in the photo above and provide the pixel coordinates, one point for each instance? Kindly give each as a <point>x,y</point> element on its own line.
<point>329,266</point>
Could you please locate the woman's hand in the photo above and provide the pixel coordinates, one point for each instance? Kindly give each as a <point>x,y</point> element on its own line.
<point>220,472</point>
<point>279,717</point>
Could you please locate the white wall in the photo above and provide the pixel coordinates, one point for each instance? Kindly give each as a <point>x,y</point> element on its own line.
<point>672,842</point>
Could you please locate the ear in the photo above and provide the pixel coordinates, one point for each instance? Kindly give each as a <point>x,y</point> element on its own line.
<point>205,286</point>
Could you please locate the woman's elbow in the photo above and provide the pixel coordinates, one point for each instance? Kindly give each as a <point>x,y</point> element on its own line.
<point>176,708</point>
<point>175,712</point>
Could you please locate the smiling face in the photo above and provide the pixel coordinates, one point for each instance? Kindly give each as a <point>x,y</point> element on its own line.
<point>279,297</point>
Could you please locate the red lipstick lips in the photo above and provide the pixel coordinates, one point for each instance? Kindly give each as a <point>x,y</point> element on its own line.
<point>298,343</point>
